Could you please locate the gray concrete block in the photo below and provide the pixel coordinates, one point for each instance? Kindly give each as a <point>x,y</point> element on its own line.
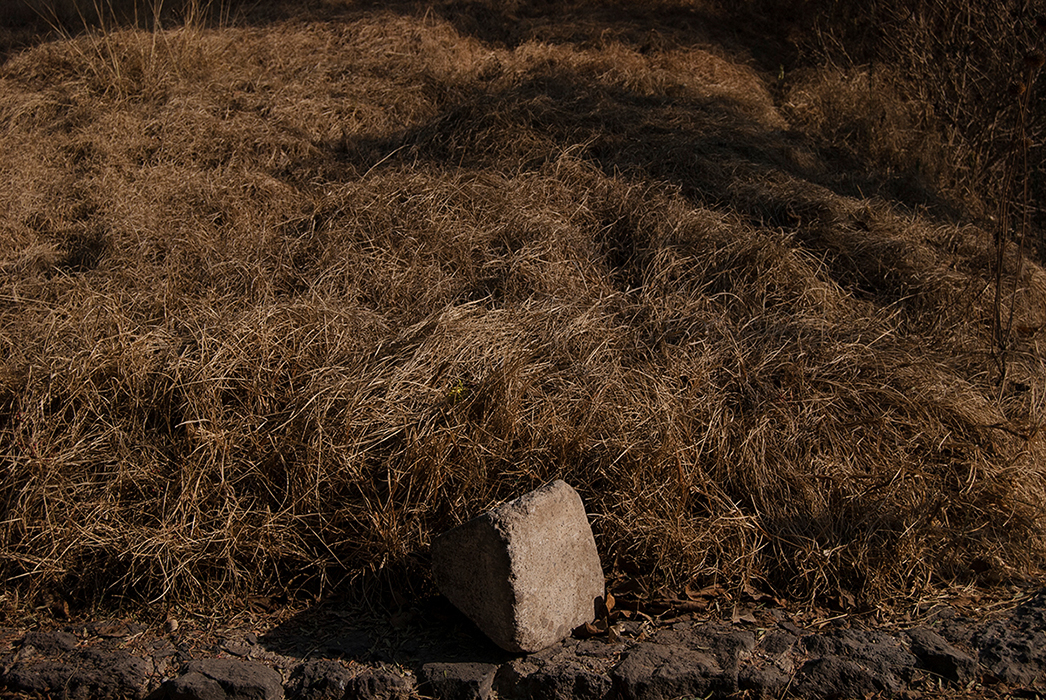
<point>527,572</point>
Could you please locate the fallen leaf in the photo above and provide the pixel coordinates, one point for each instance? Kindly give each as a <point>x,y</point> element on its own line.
<point>590,629</point>
<point>742,615</point>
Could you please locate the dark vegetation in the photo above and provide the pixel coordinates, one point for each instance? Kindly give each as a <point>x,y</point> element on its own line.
<point>286,289</point>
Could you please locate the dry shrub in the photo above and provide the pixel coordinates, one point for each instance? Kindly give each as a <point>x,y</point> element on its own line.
<point>963,72</point>
<point>862,114</point>
<point>276,316</point>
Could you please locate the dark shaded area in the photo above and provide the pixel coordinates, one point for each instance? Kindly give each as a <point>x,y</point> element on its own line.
<point>424,631</point>
<point>712,149</point>
<point>384,616</point>
<point>759,27</point>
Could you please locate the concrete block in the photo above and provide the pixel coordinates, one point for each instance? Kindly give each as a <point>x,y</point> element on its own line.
<point>527,572</point>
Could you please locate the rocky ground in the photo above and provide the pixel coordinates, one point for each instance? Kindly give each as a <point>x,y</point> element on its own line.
<point>953,650</point>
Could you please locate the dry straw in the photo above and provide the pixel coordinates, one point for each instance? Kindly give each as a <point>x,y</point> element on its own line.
<point>282,299</point>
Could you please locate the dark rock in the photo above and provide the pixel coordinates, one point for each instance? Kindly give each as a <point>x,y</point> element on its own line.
<point>126,674</point>
<point>457,681</point>
<point>1010,653</point>
<point>44,678</point>
<point>90,674</point>
<point>763,680</point>
<point>852,663</point>
<point>381,683</point>
<point>191,686</point>
<point>729,646</point>
<point>939,657</point>
<point>1013,649</point>
<point>53,643</point>
<point>655,671</point>
<point>562,672</point>
<point>223,679</point>
<point>770,667</point>
<point>777,642</point>
<point>882,654</point>
<point>957,630</point>
<point>838,677</point>
<point>321,679</point>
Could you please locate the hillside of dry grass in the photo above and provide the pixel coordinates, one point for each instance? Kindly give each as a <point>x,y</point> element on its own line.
<point>285,295</point>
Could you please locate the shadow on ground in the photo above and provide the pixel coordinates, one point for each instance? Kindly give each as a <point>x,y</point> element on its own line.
<point>431,630</point>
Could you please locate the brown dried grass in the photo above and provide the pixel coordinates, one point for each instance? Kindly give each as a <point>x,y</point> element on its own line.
<point>280,302</point>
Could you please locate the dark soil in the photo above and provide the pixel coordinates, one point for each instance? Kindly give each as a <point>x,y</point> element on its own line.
<point>429,650</point>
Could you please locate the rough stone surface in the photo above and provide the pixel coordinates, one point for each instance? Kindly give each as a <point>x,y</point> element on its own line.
<point>1014,650</point>
<point>568,671</point>
<point>729,647</point>
<point>191,686</point>
<point>770,654</point>
<point>87,674</point>
<point>49,643</point>
<point>658,672</point>
<point>939,657</point>
<point>44,676</point>
<point>855,663</point>
<point>322,679</point>
<point>840,677</point>
<point>527,572</point>
<point>457,681</point>
<point>382,683</point>
<point>224,679</point>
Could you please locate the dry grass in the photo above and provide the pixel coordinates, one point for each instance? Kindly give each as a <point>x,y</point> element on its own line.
<point>282,299</point>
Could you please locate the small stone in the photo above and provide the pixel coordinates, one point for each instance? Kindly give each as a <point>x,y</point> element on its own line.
<point>527,572</point>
